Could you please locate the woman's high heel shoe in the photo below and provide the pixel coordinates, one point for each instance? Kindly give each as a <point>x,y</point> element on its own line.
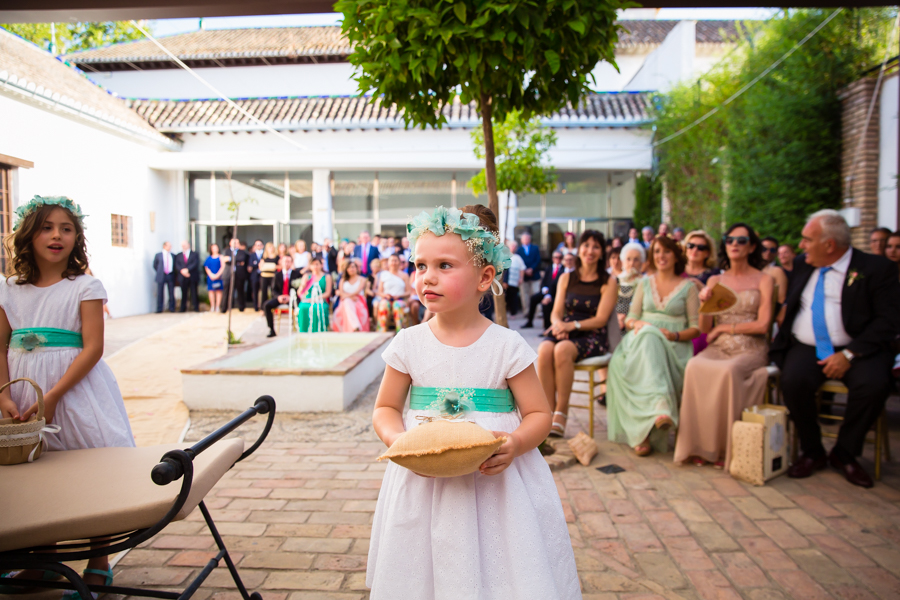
<point>558,429</point>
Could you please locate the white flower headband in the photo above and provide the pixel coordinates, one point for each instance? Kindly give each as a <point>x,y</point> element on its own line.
<point>486,247</point>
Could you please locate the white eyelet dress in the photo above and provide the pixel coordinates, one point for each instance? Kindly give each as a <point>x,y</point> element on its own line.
<point>474,537</point>
<point>91,414</point>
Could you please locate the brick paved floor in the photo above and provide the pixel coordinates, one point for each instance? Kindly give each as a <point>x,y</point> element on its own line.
<point>297,518</point>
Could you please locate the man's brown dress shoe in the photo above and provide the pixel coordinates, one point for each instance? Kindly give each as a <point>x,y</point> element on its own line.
<point>806,466</point>
<point>852,470</point>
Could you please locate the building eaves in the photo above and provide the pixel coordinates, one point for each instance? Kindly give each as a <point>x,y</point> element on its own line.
<point>289,45</point>
<point>604,110</point>
<point>31,75</point>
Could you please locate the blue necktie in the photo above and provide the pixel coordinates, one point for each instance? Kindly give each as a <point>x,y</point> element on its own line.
<point>824,347</point>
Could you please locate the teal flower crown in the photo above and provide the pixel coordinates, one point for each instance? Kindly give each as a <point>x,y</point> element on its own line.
<point>485,246</point>
<point>39,201</point>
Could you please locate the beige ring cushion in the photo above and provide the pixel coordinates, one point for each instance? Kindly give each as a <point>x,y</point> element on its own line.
<point>81,494</point>
<point>443,448</point>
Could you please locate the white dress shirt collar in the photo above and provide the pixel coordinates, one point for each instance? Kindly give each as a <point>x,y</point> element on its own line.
<point>843,263</point>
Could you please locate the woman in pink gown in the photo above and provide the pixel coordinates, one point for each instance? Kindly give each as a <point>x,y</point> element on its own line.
<point>351,314</point>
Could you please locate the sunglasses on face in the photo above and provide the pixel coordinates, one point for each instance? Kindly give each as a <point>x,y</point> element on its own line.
<point>700,247</point>
<point>769,250</point>
<point>741,240</point>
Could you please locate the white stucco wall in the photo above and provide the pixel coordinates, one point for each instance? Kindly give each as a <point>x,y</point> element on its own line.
<point>332,79</point>
<point>106,174</point>
<point>615,149</point>
<point>887,155</point>
<point>670,64</point>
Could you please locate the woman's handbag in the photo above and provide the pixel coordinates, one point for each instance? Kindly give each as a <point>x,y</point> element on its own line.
<point>23,442</point>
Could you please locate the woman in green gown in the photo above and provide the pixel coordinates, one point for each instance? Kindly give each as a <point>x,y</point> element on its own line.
<point>647,370</point>
<point>316,279</point>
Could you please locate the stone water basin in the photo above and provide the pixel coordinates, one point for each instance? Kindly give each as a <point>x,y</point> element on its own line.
<point>305,372</point>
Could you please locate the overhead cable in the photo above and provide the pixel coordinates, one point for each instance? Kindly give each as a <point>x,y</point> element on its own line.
<point>222,96</point>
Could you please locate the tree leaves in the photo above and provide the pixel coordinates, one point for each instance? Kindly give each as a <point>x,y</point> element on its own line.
<point>75,37</point>
<point>460,10</point>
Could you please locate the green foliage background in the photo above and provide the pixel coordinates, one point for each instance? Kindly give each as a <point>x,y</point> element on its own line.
<point>647,201</point>
<point>74,37</point>
<point>772,156</point>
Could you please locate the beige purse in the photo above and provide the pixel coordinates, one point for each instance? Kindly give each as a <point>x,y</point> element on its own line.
<point>747,452</point>
<point>23,442</point>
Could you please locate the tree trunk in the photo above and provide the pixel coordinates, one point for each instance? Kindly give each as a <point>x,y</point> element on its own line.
<point>490,171</point>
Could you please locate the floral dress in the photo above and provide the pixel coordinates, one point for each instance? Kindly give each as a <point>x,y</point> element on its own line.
<point>582,300</point>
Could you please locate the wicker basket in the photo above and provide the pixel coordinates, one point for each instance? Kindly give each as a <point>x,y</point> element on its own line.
<point>22,442</point>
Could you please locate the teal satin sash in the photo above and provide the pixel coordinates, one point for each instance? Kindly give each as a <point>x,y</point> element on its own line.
<point>45,337</point>
<point>456,400</point>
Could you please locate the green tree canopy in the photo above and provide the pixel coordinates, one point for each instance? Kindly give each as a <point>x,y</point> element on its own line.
<point>772,156</point>
<point>534,56</point>
<point>74,37</point>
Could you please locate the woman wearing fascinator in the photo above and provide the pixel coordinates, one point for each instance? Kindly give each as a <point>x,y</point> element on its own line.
<point>730,374</point>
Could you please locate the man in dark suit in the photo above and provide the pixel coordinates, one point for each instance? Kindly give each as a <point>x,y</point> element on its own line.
<point>531,256</point>
<point>328,254</point>
<point>253,266</point>
<point>164,265</point>
<point>188,266</point>
<point>547,294</point>
<point>366,252</point>
<point>283,291</point>
<point>840,318</point>
<point>236,266</point>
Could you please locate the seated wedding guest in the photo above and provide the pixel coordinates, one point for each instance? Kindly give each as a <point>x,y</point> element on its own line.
<point>892,249</point>
<point>214,267</point>
<point>701,265</point>
<point>585,299</point>
<point>678,234</point>
<point>301,256</point>
<point>282,251</point>
<point>840,320</point>
<point>614,262</point>
<point>617,243</point>
<point>700,252</point>
<point>351,314</point>
<point>878,240</point>
<point>372,282</point>
<point>544,297</point>
<point>633,236</point>
<point>770,256</point>
<point>568,245</point>
<point>512,279</point>
<point>314,294</point>
<point>729,375</point>
<point>633,258</point>
<point>647,370</point>
<point>394,290</point>
<point>282,290</point>
<point>647,234</point>
<point>267,267</point>
<point>663,229</point>
<point>786,256</point>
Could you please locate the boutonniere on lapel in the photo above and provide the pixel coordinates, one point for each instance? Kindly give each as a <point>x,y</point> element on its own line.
<point>852,276</point>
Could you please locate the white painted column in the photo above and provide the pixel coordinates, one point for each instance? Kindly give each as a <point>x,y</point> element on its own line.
<point>508,204</point>
<point>323,226</point>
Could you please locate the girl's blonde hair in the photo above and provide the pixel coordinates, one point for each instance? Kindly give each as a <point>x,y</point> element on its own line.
<point>20,251</point>
<point>269,251</point>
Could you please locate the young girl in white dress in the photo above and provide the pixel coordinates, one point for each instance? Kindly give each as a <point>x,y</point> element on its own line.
<point>498,533</point>
<point>51,321</point>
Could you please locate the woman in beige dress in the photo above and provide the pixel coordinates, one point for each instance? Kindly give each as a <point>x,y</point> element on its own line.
<point>730,374</point>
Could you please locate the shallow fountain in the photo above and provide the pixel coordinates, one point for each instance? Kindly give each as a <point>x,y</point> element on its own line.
<point>306,372</point>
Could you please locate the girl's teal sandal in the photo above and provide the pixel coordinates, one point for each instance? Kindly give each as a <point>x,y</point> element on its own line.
<point>108,574</point>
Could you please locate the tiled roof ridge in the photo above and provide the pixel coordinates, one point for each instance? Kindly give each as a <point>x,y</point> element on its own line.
<point>34,74</point>
<point>609,109</point>
<point>327,41</point>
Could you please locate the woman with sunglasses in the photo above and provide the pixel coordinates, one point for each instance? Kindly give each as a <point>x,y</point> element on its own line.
<point>647,369</point>
<point>701,265</point>
<point>730,375</point>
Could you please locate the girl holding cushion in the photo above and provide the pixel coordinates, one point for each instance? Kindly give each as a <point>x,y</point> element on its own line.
<point>480,535</point>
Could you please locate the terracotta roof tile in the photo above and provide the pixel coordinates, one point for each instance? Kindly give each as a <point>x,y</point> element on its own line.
<point>598,110</point>
<point>309,44</point>
<point>31,73</point>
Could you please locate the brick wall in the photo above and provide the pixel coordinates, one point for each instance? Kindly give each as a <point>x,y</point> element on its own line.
<point>863,188</point>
